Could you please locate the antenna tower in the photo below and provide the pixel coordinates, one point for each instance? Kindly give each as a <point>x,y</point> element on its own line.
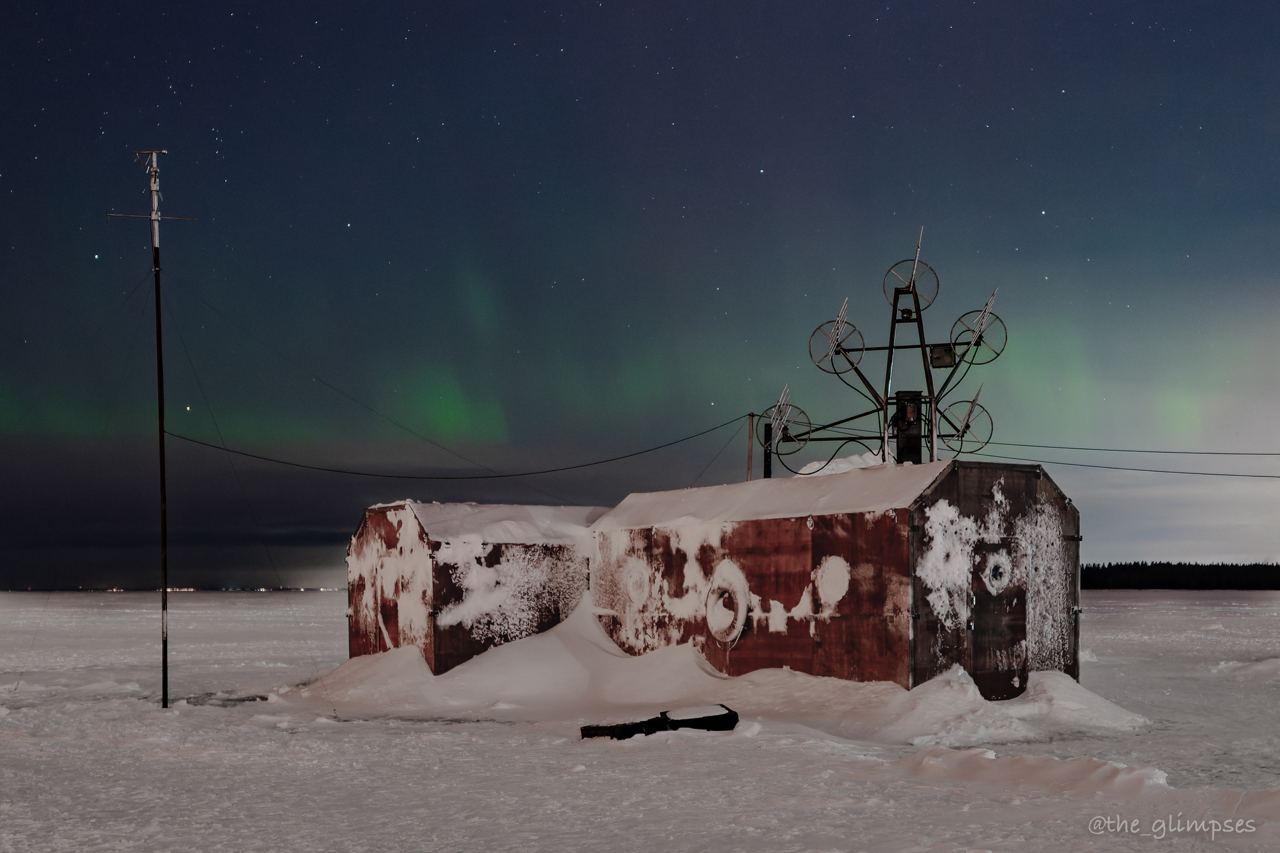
<point>912,419</point>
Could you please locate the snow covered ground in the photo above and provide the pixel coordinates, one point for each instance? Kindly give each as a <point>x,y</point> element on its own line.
<point>1182,689</point>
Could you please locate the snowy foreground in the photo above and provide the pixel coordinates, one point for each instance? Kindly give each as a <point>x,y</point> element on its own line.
<point>1180,722</point>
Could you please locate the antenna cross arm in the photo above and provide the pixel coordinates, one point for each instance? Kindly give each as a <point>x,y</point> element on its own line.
<point>162,216</point>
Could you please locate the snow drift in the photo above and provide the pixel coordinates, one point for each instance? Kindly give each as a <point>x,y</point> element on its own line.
<point>575,672</point>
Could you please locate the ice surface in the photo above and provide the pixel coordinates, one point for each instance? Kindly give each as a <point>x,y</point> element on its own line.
<point>88,760</point>
<point>1269,668</point>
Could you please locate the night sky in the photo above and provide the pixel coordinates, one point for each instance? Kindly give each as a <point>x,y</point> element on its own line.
<point>538,234</point>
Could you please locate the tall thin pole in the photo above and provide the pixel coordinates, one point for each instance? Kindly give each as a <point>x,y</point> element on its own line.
<point>153,174</point>
<point>151,157</point>
<point>751,441</point>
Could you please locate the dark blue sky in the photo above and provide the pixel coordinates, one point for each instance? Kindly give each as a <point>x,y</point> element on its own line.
<point>538,234</point>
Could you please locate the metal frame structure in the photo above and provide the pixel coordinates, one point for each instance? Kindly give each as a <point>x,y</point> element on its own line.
<point>837,347</point>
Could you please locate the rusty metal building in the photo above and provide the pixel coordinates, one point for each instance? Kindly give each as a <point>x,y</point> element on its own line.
<point>891,572</point>
<point>457,579</point>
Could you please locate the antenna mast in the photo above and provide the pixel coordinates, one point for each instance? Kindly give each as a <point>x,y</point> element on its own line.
<point>151,158</point>
<point>909,417</point>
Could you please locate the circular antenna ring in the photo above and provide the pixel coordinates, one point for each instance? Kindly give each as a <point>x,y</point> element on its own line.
<point>793,430</point>
<point>979,346</point>
<point>911,274</point>
<point>836,347</point>
<point>965,426</point>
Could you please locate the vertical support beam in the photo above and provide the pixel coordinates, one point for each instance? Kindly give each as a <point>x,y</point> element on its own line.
<point>928,380</point>
<point>888,375</point>
<point>751,441</point>
<point>768,450</point>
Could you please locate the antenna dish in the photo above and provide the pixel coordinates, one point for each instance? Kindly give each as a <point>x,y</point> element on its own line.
<point>792,429</point>
<point>979,344</point>
<point>910,274</point>
<point>965,426</point>
<point>836,346</point>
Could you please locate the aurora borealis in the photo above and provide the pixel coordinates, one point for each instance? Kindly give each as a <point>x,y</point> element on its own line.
<point>541,234</point>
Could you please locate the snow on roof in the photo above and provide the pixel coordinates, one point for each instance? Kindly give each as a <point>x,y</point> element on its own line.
<point>505,523</point>
<point>870,489</point>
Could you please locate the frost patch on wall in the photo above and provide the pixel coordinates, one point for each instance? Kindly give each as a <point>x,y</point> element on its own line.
<point>1041,556</point>
<point>947,564</point>
<point>946,567</point>
<point>649,612</point>
<point>651,607</point>
<point>405,586</point>
<point>997,571</point>
<point>1040,562</point>
<point>507,591</point>
<point>832,581</point>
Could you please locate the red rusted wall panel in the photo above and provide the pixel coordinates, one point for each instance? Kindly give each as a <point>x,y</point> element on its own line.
<point>385,552</point>
<point>774,556</point>
<point>877,609</point>
<point>859,630</point>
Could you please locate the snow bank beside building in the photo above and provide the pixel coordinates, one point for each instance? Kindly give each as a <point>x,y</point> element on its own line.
<point>574,672</point>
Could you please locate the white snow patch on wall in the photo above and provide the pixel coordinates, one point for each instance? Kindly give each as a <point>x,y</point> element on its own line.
<point>402,574</point>
<point>1040,561</point>
<point>1041,558</point>
<point>777,616</point>
<point>505,601</point>
<point>728,602</point>
<point>542,567</point>
<point>650,613</point>
<point>997,571</point>
<point>832,581</point>
<point>945,567</point>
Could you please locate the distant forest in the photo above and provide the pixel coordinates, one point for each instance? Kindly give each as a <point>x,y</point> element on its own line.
<point>1160,575</point>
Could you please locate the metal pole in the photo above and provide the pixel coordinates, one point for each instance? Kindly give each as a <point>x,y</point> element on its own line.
<point>751,440</point>
<point>928,379</point>
<point>153,172</point>
<point>888,375</point>
<point>152,158</point>
<point>768,449</point>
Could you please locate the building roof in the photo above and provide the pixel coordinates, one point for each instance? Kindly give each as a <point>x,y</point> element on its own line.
<point>505,523</point>
<point>871,489</point>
